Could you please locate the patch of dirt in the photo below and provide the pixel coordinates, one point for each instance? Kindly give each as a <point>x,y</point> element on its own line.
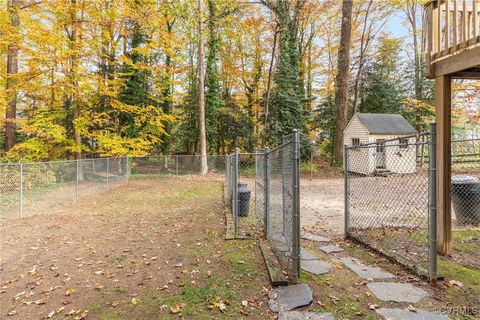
<point>105,253</point>
<point>381,208</point>
<point>322,206</point>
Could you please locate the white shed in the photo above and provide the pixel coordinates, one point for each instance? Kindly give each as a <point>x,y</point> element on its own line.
<point>383,143</point>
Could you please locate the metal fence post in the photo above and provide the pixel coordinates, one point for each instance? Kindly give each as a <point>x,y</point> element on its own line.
<point>232,198</point>
<point>346,194</point>
<point>21,190</point>
<point>235,191</point>
<point>107,173</point>
<point>127,169</point>
<point>176,165</point>
<point>432,201</point>
<point>296,206</point>
<point>76,180</point>
<point>266,190</point>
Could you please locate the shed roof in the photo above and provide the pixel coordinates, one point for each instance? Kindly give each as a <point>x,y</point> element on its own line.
<point>377,123</point>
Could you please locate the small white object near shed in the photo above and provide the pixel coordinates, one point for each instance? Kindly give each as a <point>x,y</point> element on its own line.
<point>383,155</point>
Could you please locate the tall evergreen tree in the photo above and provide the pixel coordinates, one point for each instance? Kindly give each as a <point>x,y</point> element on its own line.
<point>288,96</point>
<point>166,91</point>
<point>213,94</point>
<point>12,70</point>
<point>383,86</point>
<point>381,92</point>
<point>136,90</point>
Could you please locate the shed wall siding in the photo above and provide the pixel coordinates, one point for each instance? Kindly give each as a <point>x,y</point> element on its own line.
<point>355,129</point>
<point>363,160</point>
<point>360,160</point>
<point>398,160</point>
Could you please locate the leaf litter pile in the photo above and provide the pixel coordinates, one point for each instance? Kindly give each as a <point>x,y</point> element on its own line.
<point>152,249</point>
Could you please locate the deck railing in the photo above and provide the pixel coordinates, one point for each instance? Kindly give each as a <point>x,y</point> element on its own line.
<point>451,26</point>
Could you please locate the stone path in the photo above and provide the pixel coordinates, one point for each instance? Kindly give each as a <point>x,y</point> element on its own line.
<point>305,315</point>
<point>401,314</point>
<point>331,249</point>
<point>307,255</point>
<point>314,237</point>
<point>315,266</point>
<point>285,299</point>
<point>290,297</point>
<point>365,272</point>
<point>396,292</point>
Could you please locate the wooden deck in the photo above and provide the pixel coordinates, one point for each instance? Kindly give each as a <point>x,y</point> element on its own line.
<point>452,38</point>
<point>452,32</point>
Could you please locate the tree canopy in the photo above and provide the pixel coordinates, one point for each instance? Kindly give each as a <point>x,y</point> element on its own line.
<point>120,77</point>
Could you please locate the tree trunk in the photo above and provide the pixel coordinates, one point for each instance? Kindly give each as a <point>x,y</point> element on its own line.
<point>269,89</point>
<point>74,96</point>
<point>309,76</point>
<point>364,42</point>
<point>341,97</point>
<point>201,94</point>
<point>12,70</point>
<point>411,13</point>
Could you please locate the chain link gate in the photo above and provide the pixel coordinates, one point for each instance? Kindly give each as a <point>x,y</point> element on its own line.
<point>274,175</point>
<point>387,204</point>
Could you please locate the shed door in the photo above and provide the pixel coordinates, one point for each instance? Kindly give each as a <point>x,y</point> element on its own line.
<point>380,154</point>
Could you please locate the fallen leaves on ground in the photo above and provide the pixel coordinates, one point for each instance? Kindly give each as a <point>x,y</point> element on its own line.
<point>175,309</point>
<point>70,292</point>
<point>451,283</point>
<point>221,305</point>
<point>12,313</point>
<point>411,308</point>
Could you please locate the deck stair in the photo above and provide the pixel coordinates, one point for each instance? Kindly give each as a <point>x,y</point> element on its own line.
<point>379,172</point>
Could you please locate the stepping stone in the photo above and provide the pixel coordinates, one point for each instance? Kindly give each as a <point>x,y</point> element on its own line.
<point>279,243</point>
<point>331,249</point>
<point>307,255</point>
<point>305,315</point>
<point>401,314</point>
<point>315,266</point>
<point>314,237</point>
<point>397,292</point>
<point>366,272</point>
<point>290,297</point>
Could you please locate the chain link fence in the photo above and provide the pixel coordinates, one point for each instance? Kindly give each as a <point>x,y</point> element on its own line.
<point>260,191</point>
<point>390,199</point>
<point>176,165</point>
<point>466,182</point>
<point>27,188</point>
<point>35,187</point>
<point>466,201</point>
<point>268,183</point>
<point>387,203</point>
<point>465,192</point>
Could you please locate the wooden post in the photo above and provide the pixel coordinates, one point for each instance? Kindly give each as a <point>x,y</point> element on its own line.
<point>443,103</point>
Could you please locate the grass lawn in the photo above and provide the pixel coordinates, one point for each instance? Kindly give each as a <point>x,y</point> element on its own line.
<point>152,249</point>
<point>155,249</point>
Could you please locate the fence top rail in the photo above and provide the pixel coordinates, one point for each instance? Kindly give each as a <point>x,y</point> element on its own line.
<point>283,145</point>
<point>374,145</point>
<point>388,140</point>
<point>466,140</point>
<point>10,164</point>
<point>57,161</point>
<point>259,152</point>
<point>251,154</point>
<point>104,158</point>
